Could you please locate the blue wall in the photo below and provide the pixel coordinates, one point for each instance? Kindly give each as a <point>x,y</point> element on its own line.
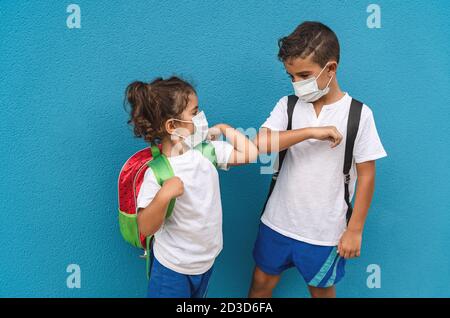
<point>64,136</point>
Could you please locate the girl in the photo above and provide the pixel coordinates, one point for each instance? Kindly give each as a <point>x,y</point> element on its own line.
<point>187,243</point>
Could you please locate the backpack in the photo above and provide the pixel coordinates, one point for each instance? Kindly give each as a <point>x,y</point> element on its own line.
<point>354,117</point>
<point>129,183</point>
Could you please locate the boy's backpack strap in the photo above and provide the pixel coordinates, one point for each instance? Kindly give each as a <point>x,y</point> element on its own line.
<point>354,117</point>
<point>292,101</point>
<point>207,149</point>
<point>163,171</point>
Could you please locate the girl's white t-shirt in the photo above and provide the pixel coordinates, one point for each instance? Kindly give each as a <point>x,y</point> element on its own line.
<point>189,241</point>
<point>307,203</point>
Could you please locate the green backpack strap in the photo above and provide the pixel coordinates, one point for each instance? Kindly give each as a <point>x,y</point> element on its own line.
<point>163,171</point>
<point>148,240</point>
<point>208,150</point>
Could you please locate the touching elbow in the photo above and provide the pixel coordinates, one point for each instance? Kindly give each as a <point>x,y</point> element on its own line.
<point>253,153</point>
<point>263,141</point>
<point>260,148</point>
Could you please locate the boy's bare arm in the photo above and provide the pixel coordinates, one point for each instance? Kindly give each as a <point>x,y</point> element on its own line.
<point>245,151</point>
<point>350,243</point>
<point>269,141</point>
<point>152,216</point>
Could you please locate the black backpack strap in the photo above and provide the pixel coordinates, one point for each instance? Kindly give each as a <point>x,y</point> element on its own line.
<point>354,117</point>
<point>292,100</point>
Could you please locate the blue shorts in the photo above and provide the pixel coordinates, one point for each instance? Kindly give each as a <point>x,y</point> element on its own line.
<point>166,283</point>
<point>320,266</point>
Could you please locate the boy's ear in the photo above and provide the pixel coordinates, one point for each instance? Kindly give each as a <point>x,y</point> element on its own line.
<point>332,67</point>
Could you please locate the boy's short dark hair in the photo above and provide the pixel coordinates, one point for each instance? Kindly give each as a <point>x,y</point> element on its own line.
<point>310,38</point>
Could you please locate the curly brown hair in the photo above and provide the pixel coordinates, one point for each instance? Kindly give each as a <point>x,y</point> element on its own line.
<point>152,104</point>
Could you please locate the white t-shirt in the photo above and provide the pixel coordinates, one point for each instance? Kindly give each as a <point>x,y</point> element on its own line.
<point>307,203</point>
<point>190,240</point>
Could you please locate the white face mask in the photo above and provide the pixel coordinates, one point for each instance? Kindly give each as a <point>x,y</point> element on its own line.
<point>308,91</point>
<point>200,130</point>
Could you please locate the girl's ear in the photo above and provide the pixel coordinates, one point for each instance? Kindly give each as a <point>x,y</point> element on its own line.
<point>169,126</point>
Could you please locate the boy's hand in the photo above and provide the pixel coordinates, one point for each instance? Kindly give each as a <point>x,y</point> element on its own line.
<point>327,133</point>
<point>350,244</point>
<point>173,188</point>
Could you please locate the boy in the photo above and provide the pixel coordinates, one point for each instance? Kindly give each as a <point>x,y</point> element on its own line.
<point>304,221</point>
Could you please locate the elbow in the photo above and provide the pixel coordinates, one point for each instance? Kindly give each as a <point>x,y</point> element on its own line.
<point>260,149</point>
<point>262,141</point>
<point>253,152</point>
<point>142,227</point>
<point>145,232</point>
<point>253,155</point>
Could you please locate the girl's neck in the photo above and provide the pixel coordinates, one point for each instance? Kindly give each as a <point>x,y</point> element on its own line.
<point>172,147</point>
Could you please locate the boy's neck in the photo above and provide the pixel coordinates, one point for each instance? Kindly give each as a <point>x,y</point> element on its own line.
<point>333,96</point>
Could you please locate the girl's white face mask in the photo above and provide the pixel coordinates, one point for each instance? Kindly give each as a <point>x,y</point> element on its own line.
<point>308,90</point>
<point>200,130</point>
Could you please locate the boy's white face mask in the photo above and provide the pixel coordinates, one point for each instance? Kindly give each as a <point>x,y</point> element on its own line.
<point>308,90</point>
<point>200,130</point>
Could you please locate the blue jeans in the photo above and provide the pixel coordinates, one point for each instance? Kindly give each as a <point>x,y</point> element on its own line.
<point>166,283</point>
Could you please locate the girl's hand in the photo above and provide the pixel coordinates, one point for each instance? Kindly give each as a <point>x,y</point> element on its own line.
<point>214,132</point>
<point>173,188</point>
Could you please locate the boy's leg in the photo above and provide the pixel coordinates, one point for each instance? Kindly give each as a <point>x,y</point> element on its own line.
<point>262,284</point>
<point>273,255</point>
<point>326,292</point>
<point>320,266</point>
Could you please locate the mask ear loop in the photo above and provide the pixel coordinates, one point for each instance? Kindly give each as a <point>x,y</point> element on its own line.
<point>320,73</point>
<point>329,82</point>
<point>176,134</point>
<point>179,136</point>
<point>183,121</point>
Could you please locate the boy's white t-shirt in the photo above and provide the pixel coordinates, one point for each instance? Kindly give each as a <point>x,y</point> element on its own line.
<point>307,203</point>
<point>189,241</point>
